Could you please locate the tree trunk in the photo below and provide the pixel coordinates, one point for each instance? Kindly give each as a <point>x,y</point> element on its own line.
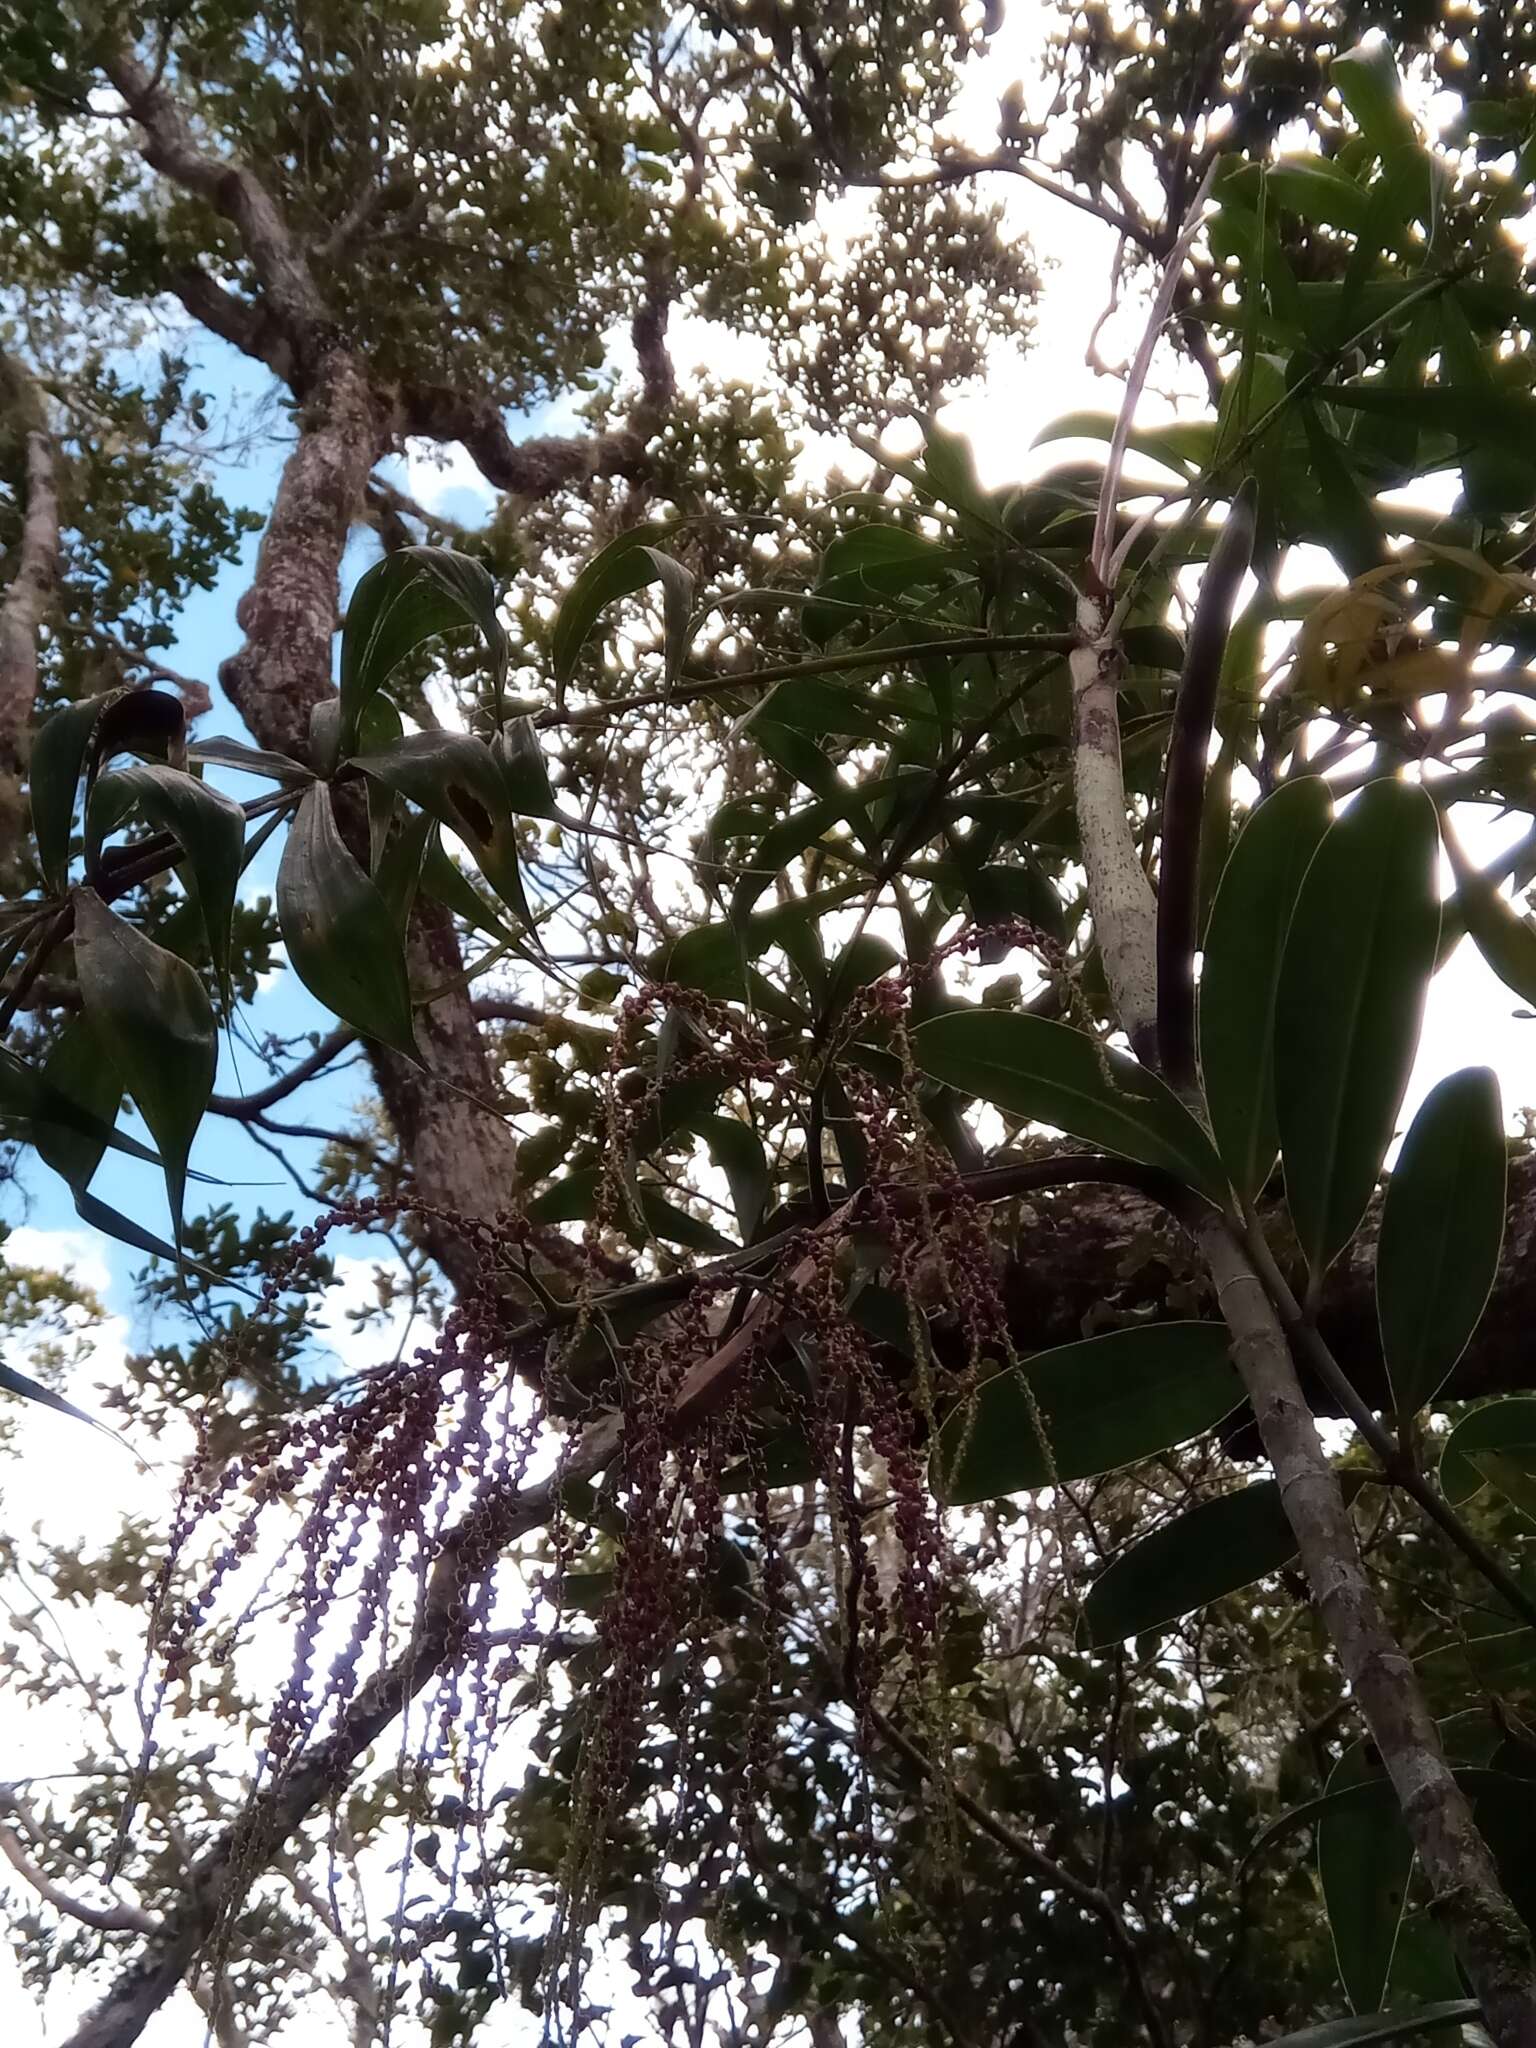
<point>459,1156</point>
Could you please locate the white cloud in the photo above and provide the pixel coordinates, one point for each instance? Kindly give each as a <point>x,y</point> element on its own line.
<point>379,1340</point>
<point>78,1253</point>
<point>433,472</point>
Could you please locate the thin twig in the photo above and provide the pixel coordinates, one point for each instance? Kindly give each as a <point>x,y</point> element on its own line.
<point>1090,1897</point>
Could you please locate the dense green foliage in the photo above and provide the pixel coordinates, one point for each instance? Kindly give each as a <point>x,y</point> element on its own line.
<point>925,1642</point>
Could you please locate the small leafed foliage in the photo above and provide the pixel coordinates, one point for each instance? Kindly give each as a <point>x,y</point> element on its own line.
<point>799,1568</point>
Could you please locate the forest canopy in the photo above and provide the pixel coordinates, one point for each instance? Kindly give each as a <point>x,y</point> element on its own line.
<point>802,1351</point>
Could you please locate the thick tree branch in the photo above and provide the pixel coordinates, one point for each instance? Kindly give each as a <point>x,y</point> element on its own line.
<point>37,560</point>
<point>289,613</point>
<point>235,320</point>
<point>1120,897</point>
<point>526,469</point>
<point>461,1157</point>
<point>121,1917</point>
<point>171,147</point>
<point>538,468</point>
<point>325,1054</point>
<point>194,693</point>
<point>1089,1251</point>
<point>1490,1937</point>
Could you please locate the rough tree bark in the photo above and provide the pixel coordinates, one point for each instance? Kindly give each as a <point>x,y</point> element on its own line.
<point>37,561</point>
<point>459,1156</point>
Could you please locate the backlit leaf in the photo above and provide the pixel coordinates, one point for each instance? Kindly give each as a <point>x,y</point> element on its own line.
<point>623,567</point>
<point>410,596</point>
<point>1368,82</point>
<point>1055,1075</point>
<point>151,1008</point>
<point>446,882</point>
<point>1104,1403</point>
<point>1441,1230</point>
<point>1215,1549</point>
<point>737,1151</point>
<point>1496,1443</point>
<point>18,1383</point>
<point>1240,979</point>
<point>29,1099</point>
<point>1501,935</point>
<point>1358,958</point>
<point>1183,447</point>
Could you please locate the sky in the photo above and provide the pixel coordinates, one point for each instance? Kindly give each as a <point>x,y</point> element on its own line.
<point>76,1485</point>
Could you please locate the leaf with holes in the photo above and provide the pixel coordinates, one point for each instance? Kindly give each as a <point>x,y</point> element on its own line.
<point>456,779</point>
<point>446,882</point>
